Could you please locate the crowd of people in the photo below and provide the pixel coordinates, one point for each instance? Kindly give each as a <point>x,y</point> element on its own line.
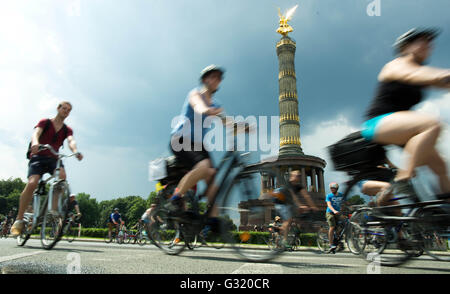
<point>389,120</point>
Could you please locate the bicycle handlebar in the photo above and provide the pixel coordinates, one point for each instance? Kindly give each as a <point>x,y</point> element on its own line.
<point>50,148</point>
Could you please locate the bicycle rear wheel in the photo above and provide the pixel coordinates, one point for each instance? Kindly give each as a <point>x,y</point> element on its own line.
<point>243,200</point>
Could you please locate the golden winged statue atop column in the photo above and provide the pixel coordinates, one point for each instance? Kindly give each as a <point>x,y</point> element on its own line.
<point>285,28</point>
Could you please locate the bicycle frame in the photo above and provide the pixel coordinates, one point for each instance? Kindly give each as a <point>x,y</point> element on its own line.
<point>40,192</point>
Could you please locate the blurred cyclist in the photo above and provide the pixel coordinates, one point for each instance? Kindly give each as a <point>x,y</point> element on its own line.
<point>199,104</point>
<point>390,119</point>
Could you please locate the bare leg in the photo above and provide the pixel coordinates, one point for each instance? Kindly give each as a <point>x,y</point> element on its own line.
<point>439,167</point>
<point>331,235</point>
<point>27,195</point>
<point>418,133</point>
<point>371,188</point>
<point>201,171</point>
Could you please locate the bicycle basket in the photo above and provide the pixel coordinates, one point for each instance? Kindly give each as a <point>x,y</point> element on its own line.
<point>354,152</point>
<point>175,170</point>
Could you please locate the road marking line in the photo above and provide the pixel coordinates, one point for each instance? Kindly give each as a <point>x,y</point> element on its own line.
<point>102,259</point>
<point>20,255</point>
<point>259,268</point>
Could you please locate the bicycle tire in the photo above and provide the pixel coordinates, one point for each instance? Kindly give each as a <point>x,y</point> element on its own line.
<point>166,232</point>
<point>376,249</point>
<point>354,236</point>
<point>53,233</point>
<point>246,186</point>
<point>22,239</point>
<point>323,242</point>
<point>434,230</point>
<point>141,240</point>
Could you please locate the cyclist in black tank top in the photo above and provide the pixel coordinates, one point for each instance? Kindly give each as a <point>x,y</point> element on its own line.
<point>390,118</point>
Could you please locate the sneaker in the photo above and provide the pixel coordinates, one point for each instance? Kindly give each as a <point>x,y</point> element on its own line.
<point>17,227</point>
<point>403,188</point>
<point>332,249</point>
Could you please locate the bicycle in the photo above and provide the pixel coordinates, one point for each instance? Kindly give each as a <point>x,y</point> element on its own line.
<point>423,228</point>
<point>341,235</point>
<point>51,221</point>
<point>136,237</point>
<point>236,182</point>
<point>71,228</point>
<point>117,236</point>
<point>5,229</point>
<point>274,241</point>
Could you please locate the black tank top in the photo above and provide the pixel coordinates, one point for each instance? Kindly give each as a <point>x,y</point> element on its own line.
<point>394,96</point>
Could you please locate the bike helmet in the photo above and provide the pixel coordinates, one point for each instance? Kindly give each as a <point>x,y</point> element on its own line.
<point>116,209</point>
<point>209,69</point>
<point>334,185</point>
<point>414,34</point>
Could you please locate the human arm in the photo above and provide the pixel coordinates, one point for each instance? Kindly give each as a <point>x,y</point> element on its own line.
<point>77,209</point>
<point>35,140</point>
<point>404,69</point>
<point>199,105</point>
<point>73,147</point>
<point>332,208</point>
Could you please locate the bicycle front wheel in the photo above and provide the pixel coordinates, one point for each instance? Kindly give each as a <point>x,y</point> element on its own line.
<point>166,232</point>
<point>25,235</point>
<point>323,242</point>
<point>51,230</point>
<point>435,231</point>
<point>244,201</point>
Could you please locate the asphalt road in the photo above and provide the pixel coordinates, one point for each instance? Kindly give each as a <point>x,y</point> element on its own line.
<point>100,258</point>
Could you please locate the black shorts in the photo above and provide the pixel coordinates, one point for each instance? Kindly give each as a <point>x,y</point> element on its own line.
<point>189,158</point>
<point>39,165</point>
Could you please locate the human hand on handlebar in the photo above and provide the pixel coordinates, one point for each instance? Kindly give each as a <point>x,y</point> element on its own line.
<point>79,156</point>
<point>35,149</point>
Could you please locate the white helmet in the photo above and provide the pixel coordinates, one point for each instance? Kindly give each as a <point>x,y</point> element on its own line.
<point>334,185</point>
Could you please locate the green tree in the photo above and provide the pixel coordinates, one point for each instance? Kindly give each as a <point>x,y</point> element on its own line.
<point>136,209</point>
<point>90,210</point>
<point>10,185</point>
<point>356,200</point>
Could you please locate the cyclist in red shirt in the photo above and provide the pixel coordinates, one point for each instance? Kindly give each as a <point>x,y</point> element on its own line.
<point>47,131</point>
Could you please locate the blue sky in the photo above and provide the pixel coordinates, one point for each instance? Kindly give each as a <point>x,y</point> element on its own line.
<point>127,66</point>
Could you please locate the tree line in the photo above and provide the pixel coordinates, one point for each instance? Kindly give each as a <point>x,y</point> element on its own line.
<point>94,214</point>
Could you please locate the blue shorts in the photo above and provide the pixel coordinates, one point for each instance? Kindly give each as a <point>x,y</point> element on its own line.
<point>369,127</point>
<point>285,211</point>
<point>361,183</point>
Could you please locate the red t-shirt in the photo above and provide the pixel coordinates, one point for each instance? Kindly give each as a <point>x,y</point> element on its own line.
<point>48,137</point>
